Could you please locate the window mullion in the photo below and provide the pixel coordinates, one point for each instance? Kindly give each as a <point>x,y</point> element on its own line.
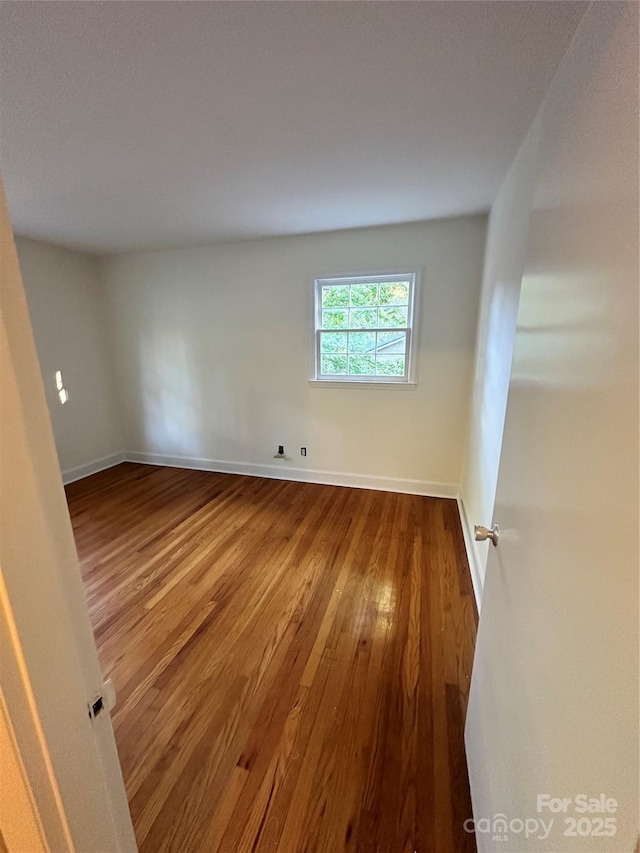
<point>344,329</point>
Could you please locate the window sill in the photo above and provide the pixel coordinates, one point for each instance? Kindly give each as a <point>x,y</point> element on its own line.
<point>365,386</point>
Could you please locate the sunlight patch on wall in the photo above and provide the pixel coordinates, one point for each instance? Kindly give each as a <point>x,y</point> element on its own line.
<point>63,394</point>
<point>573,318</point>
<point>171,403</point>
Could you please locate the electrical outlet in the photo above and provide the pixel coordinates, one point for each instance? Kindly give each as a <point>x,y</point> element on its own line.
<point>303,451</point>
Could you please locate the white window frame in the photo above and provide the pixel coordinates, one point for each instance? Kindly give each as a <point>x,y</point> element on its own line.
<point>408,380</point>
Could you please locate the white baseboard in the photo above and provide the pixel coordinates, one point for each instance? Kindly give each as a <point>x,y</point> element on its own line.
<point>477,576</point>
<point>82,471</point>
<point>284,471</point>
<point>301,475</point>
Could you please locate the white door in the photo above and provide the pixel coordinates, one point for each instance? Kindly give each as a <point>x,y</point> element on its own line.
<point>49,666</point>
<point>552,727</point>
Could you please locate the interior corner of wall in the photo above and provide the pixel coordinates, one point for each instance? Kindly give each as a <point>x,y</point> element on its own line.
<point>476,564</point>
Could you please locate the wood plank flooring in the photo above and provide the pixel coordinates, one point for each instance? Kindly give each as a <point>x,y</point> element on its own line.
<point>292,660</point>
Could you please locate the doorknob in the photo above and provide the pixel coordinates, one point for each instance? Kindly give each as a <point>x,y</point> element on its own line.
<point>482,533</point>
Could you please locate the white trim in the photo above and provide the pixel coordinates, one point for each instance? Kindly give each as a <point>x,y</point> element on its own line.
<point>375,386</point>
<point>304,475</point>
<point>477,578</point>
<point>94,467</point>
<point>299,475</point>
<point>273,472</point>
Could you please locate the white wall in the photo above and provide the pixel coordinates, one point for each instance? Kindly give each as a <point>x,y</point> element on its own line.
<point>211,348</point>
<point>504,260</point>
<point>67,315</point>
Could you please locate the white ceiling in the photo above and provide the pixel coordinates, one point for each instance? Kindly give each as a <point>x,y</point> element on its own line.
<point>131,124</point>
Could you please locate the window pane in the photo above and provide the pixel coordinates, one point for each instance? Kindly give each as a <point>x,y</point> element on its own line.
<point>392,343</point>
<point>364,294</point>
<point>334,364</point>
<point>394,293</point>
<point>335,296</point>
<point>362,365</point>
<point>333,341</point>
<point>335,318</point>
<point>362,341</point>
<point>390,317</point>
<point>363,318</point>
<point>390,365</point>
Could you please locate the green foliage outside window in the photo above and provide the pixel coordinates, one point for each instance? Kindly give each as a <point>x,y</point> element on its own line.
<point>366,306</point>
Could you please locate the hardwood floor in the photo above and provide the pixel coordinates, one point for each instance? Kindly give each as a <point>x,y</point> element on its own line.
<point>292,660</point>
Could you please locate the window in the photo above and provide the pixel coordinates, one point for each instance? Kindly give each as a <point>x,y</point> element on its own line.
<point>364,328</point>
